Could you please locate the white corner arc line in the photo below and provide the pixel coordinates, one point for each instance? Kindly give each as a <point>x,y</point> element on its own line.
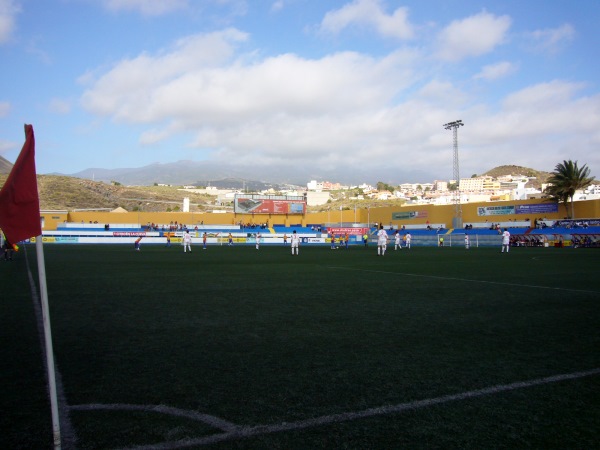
<point>244,432</point>
<point>213,421</point>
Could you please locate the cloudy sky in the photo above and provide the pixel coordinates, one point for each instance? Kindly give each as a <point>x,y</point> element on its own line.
<point>302,83</point>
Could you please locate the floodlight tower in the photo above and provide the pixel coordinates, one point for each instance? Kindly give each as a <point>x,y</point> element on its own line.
<point>457,220</point>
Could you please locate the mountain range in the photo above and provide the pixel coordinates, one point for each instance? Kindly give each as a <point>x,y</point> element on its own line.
<point>206,173</point>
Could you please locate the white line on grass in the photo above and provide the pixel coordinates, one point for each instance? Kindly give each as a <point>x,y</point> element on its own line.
<point>67,433</point>
<point>533,286</point>
<point>239,432</point>
<point>213,421</point>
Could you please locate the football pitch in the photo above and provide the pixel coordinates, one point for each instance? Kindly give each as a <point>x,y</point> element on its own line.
<point>233,347</point>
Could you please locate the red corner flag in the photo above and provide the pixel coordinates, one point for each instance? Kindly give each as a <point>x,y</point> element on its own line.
<point>19,200</point>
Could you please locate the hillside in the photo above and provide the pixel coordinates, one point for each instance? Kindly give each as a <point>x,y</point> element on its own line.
<point>5,166</point>
<point>58,192</point>
<point>69,193</point>
<point>540,177</point>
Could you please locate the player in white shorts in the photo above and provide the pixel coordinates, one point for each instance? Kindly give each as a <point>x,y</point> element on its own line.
<point>295,242</point>
<point>382,240</point>
<point>397,241</point>
<point>506,240</point>
<point>187,242</point>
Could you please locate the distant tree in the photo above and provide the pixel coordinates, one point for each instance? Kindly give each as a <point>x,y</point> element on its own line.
<point>566,179</point>
<point>115,183</point>
<point>474,175</point>
<point>452,186</point>
<point>381,186</point>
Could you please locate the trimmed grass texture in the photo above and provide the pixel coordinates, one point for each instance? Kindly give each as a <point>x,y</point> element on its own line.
<point>264,338</point>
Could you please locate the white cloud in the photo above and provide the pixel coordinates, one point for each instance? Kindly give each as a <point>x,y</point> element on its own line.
<point>195,85</point>
<point>6,146</point>
<point>496,71</point>
<point>60,106</point>
<point>369,13</point>
<point>344,108</point>
<point>8,12</point>
<point>552,40</point>
<point>130,84</point>
<point>146,7</point>
<point>474,36</point>
<point>537,127</point>
<point>4,109</point>
<point>277,5</point>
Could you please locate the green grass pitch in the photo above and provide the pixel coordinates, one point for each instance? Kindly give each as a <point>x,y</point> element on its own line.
<point>231,347</point>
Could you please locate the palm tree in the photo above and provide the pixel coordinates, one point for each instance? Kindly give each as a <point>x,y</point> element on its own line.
<point>565,180</point>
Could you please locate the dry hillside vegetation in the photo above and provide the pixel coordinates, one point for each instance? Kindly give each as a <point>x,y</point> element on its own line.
<point>69,193</point>
<point>540,176</point>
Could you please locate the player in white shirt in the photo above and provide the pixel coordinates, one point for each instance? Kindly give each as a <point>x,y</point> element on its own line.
<point>382,239</point>
<point>397,241</point>
<point>295,242</point>
<point>506,240</point>
<point>258,236</point>
<point>467,243</point>
<point>407,238</point>
<point>187,242</point>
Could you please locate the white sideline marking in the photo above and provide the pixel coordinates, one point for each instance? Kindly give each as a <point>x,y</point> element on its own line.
<point>68,438</point>
<point>533,286</point>
<point>239,432</point>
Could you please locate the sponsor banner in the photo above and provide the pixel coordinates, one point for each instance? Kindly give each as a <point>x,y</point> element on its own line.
<point>349,230</point>
<point>408,215</point>
<point>495,210</point>
<point>48,239</point>
<point>575,223</point>
<point>66,239</point>
<point>314,240</point>
<point>225,239</point>
<point>129,233</point>
<point>267,206</point>
<point>537,208</point>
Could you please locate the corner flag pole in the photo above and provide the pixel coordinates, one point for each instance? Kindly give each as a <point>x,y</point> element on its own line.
<point>39,247</point>
<point>20,220</point>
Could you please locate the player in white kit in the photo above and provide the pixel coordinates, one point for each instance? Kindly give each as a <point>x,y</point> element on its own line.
<point>382,240</point>
<point>295,242</point>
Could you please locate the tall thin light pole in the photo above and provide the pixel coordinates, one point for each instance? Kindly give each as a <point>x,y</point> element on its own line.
<point>457,220</point>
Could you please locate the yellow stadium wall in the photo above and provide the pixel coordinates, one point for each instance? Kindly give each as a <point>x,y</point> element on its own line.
<point>433,214</point>
<point>51,219</point>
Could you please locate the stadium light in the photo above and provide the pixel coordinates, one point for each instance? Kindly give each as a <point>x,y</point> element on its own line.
<point>454,126</point>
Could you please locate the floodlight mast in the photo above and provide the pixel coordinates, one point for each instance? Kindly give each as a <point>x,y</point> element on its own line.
<point>457,221</point>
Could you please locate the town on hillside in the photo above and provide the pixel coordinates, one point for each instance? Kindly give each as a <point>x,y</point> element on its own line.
<point>471,190</point>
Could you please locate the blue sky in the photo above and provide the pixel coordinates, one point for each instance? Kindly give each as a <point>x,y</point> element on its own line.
<point>289,83</point>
